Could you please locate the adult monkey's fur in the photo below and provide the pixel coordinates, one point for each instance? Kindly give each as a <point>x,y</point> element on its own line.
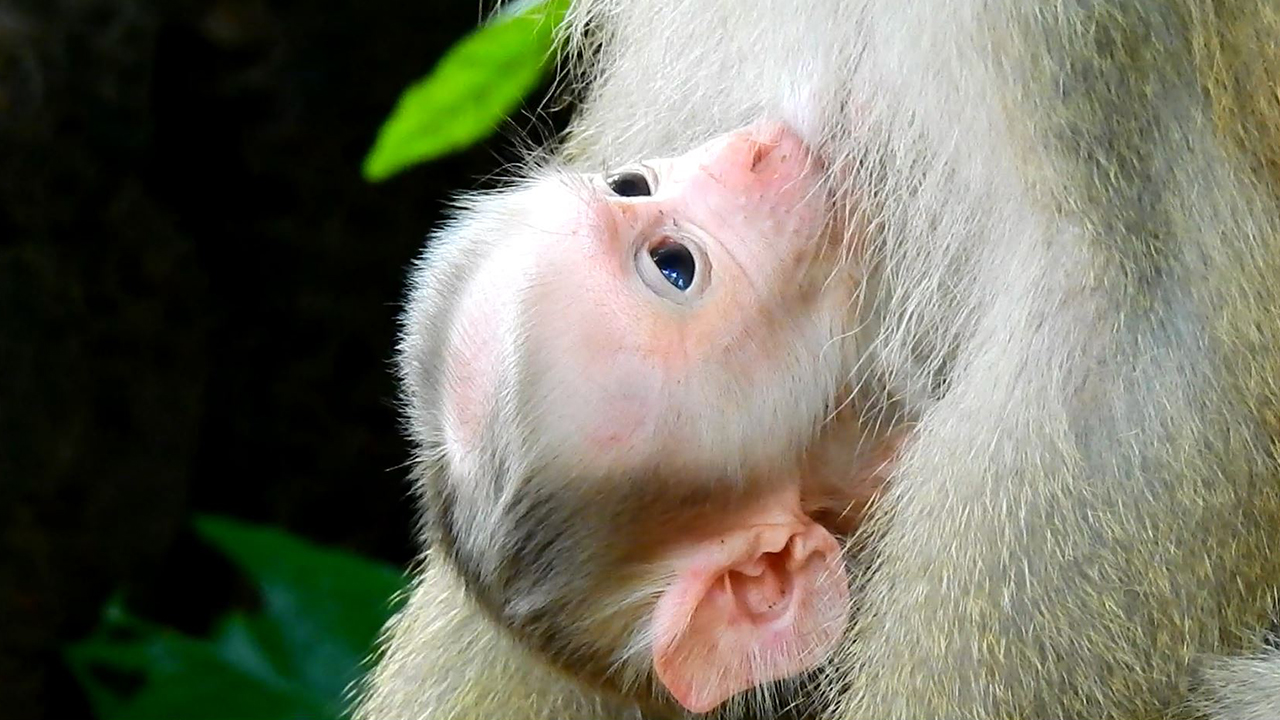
<point>1077,233</point>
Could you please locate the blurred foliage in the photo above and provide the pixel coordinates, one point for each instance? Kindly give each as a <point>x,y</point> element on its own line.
<point>475,86</point>
<point>293,659</point>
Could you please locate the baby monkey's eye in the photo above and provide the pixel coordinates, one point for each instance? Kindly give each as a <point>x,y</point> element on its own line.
<point>676,264</point>
<point>629,183</point>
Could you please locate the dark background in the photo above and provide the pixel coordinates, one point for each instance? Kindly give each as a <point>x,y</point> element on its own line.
<point>198,298</point>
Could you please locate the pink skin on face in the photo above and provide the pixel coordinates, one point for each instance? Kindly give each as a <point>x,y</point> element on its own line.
<point>627,357</point>
<point>631,365</point>
<point>622,370</point>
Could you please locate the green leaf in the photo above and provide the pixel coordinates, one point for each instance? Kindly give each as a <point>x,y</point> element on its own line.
<point>86,656</point>
<point>192,679</point>
<point>476,85</point>
<point>247,643</point>
<point>187,678</point>
<point>322,608</point>
<point>114,646</point>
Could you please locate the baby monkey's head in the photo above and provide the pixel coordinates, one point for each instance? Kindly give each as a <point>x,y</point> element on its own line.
<point>615,380</point>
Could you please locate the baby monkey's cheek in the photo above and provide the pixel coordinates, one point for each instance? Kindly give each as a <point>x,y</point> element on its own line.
<point>623,417</point>
<point>604,410</point>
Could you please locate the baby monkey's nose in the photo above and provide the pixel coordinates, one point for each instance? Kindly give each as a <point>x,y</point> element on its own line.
<point>763,162</point>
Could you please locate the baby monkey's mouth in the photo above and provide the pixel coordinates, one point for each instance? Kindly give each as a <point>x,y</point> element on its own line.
<point>840,479</point>
<point>842,521</point>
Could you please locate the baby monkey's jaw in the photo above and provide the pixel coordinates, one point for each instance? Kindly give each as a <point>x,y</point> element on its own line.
<point>762,601</point>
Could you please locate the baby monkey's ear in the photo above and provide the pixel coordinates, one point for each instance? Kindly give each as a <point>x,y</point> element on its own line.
<point>762,601</point>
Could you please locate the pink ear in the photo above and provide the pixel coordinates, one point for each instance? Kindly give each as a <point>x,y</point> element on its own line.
<point>761,603</point>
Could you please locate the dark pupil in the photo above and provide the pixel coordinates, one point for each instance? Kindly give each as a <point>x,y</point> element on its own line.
<point>629,184</point>
<point>676,263</point>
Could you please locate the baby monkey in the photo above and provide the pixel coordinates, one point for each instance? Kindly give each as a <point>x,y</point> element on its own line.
<point>624,388</point>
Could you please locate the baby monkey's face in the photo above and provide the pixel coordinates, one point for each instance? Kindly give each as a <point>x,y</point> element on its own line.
<point>630,390</point>
<point>636,314</point>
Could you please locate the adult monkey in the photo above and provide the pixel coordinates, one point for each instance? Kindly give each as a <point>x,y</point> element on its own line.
<point>1078,234</point>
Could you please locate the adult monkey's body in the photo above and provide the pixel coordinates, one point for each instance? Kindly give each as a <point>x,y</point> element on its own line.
<point>1077,238</point>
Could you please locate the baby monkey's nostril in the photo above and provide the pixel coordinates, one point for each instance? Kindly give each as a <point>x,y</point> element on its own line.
<point>759,152</point>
